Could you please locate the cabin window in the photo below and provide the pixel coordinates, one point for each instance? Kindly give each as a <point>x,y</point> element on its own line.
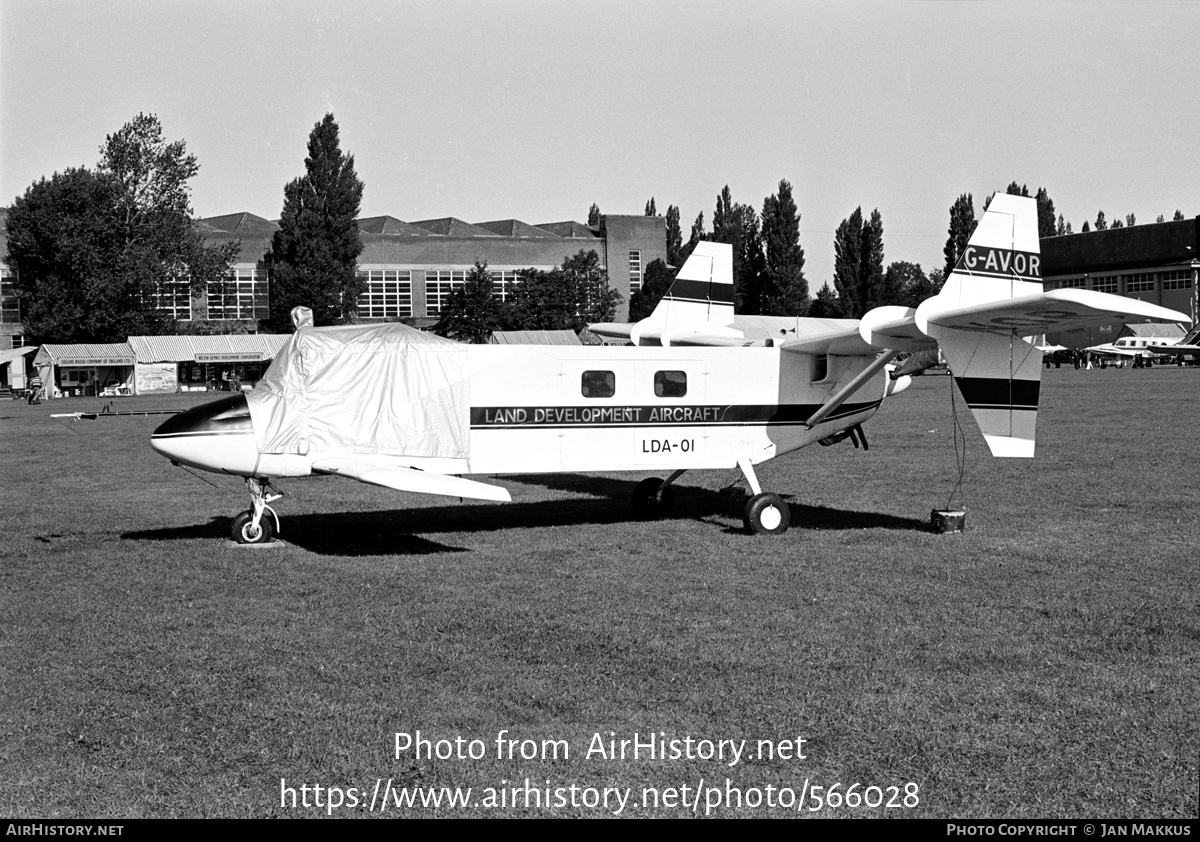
<point>670,384</point>
<point>599,384</point>
<point>820,368</point>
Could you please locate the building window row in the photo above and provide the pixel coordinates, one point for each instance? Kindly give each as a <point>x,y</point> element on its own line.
<point>1138,282</point>
<point>438,286</point>
<point>10,305</point>
<point>388,295</point>
<point>1141,282</point>
<point>503,283</point>
<point>174,299</point>
<point>635,271</point>
<point>1177,279</point>
<point>243,295</point>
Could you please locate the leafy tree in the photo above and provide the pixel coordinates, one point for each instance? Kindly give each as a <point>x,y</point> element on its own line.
<point>1063,227</point>
<point>314,255</point>
<point>962,225</point>
<point>847,263</point>
<point>858,262</point>
<point>937,279</point>
<point>1101,224</point>
<point>566,298</point>
<point>1161,218</point>
<point>872,264</point>
<point>905,284</point>
<point>471,312</point>
<point>651,210</point>
<point>1178,217</point>
<point>1045,214</point>
<point>1015,189</point>
<point>95,250</point>
<point>1130,220</point>
<point>1086,227</point>
<point>655,284</point>
<point>1117,224</point>
<point>674,237</point>
<point>782,291</point>
<point>695,236</point>
<point>594,216</point>
<point>738,225</point>
<point>826,304</point>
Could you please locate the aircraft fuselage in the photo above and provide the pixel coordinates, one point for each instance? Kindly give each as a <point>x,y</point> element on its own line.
<point>540,409</point>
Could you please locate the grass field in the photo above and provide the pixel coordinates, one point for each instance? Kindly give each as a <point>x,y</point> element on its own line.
<point>1044,663</point>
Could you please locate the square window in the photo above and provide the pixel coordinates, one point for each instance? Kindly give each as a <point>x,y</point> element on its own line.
<point>598,384</point>
<point>670,384</point>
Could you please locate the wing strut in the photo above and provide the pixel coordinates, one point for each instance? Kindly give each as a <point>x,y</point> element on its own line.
<point>850,388</point>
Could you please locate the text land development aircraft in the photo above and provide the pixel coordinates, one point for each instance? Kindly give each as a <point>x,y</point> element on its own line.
<point>390,405</point>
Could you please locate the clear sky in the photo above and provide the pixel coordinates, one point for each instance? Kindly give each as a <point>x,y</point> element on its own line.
<point>535,109</point>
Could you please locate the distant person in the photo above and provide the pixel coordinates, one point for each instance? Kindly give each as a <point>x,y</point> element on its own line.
<point>35,389</point>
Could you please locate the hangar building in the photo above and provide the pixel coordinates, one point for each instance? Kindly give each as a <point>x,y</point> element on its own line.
<point>1157,263</point>
<point>410,267</point>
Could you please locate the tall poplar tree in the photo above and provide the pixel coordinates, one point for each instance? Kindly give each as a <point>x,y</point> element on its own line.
<point>695,236</point>
<point>314,255</point>
<point>784,291</point>
<point>674,237</point>
<point>962,225</point>
<point>1046,216</point>
<point>858,262</point>
<point>738,225</point>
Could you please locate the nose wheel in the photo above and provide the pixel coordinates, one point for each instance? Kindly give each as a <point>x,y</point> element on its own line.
<point>246,532</point>
<point>254,526</point>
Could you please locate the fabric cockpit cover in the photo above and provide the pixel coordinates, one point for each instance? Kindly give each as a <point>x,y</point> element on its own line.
<point>377,389</point>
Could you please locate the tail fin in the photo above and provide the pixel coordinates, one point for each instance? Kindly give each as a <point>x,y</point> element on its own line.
<point>1002,259</point>
<point>702,293</point>
<point>697,309</point>
<point>996,370</point>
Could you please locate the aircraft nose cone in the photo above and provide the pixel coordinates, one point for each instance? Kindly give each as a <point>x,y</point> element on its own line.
<point>212,436</point>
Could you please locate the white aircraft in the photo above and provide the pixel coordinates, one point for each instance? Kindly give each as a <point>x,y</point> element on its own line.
<point>389,405</point>
<point>1133,347</point>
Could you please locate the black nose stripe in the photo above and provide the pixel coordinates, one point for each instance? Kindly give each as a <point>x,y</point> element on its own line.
<point>228,415</point>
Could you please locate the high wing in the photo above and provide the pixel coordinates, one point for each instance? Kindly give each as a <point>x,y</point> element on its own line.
<point>410,479</point>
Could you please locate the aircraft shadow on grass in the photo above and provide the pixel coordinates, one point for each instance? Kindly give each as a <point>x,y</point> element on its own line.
<point>399,531</point>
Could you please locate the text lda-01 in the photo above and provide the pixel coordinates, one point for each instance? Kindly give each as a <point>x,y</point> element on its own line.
<point>390,405</point>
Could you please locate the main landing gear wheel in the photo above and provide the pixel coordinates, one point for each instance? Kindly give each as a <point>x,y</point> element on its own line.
<point>766,514</point>
<point>245,533</point>
<point>651,500</point>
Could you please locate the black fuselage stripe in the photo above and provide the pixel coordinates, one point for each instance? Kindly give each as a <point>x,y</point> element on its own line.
<point>654,416</point>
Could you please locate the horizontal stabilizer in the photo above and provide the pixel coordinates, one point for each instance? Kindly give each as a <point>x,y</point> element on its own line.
<point>611,330</point>
<point>1046,312</point>
<point>410,479</point>
<point>683,333</point>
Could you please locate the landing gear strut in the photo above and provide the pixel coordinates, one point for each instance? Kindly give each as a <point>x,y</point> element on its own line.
<point>251,527</point>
